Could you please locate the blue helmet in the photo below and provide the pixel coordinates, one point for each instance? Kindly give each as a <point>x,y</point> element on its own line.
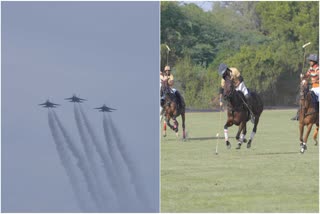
<point>313,57</point>
<point>222,68</point>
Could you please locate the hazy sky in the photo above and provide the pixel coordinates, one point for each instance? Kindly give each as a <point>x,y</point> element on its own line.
<point>106,52</point>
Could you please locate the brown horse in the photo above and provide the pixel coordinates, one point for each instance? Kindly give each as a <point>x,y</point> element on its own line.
<point>173,106</point>
<point>239,113</point>
<point>308,115</point>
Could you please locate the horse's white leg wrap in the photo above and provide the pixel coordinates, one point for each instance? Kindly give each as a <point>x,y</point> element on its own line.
<point>252,135</point>
<point>242,136</point>
<point>226,134</point>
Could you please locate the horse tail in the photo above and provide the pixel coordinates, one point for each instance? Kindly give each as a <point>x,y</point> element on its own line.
<point>258,103</point>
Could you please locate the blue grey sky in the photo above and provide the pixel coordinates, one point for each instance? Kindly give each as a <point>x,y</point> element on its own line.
<point>106,52</point>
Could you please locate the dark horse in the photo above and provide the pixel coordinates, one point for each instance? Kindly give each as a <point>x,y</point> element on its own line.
<point>308,115</point>
<point>239,113</point>
<point>173,106</point>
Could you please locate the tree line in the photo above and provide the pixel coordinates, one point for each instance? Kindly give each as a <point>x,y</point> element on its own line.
<point>262,39</point>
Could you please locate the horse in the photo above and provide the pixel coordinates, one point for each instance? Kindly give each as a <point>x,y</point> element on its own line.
<point>238,113</point>
<point>308,115</point>
<point>173,107</point>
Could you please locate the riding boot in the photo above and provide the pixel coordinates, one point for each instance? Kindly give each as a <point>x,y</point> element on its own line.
<point>249,105</point>
<point>162,100</point>
<point>176,94</point>
<point>179,98</point>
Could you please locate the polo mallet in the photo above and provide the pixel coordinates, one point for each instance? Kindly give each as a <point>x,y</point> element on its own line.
<point>304,54</point>
<point>168,50</point>
<point>217,135</point>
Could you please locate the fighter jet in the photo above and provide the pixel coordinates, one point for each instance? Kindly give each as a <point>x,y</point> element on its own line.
<point>48,104</point>
<point>75,99</point>
<point>105,108</point>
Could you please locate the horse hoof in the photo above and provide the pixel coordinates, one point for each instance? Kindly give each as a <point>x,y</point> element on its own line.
<point>228,144</point>
<point>303,148</point>
<point>239,146</point>
<point>249,144</point>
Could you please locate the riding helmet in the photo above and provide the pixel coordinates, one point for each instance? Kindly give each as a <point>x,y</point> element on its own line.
<point>222,68</point>
<point>313,57</point>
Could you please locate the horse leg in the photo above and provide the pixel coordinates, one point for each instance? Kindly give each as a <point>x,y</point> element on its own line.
<point>183,117</point>
<point>175,126</point>
<point>315,135</point>
<point>304,144</point>
<point>164,128</point>
<point>254,131</point>
<point>301,129</point>
<point>244,132</point>
<point>168,123</point>
<point>240,140</point>
<point>226,137</point>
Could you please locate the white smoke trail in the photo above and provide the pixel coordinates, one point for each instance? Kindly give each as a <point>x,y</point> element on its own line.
<point>110,166</point>
<point>118,163</point>
<point>83,165</point>
<point>76,185</point>
<point>104,184</point>
<point>134,171</point>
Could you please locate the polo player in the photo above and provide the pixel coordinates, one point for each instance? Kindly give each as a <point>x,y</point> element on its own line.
<point>239,85</point>
<point>313,75</point>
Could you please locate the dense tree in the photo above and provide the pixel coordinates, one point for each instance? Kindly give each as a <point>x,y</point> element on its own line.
<point>262,39</point>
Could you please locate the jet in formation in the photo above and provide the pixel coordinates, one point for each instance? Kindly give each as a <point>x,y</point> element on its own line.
<point>48,104</point>
<point>75,99</point>
<point>105,108</point>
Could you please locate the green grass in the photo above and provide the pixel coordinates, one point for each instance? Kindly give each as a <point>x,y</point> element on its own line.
<point>272,176</point>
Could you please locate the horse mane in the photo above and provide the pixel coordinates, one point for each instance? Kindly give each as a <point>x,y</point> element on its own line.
<point>308,100</point>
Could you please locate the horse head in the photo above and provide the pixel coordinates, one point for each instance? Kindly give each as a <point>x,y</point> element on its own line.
<point>304,88</point>
<point>165,88</point>
<point>228,87</point>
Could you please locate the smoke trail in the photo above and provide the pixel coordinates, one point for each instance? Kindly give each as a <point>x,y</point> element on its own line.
<point>133,170</point>
<point>68,166</point>
<point>107,191</point>
<point>82,163</point>
<point>116,175</point>
<point>116,157</point>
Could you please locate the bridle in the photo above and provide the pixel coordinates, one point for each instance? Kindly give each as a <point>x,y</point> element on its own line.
<point>304,90</point>
<point>231,91</point>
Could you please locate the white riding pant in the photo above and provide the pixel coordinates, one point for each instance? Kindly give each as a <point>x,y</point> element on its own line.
<point>316,91</point>
<point>173,90</point>
<point>242,87</point>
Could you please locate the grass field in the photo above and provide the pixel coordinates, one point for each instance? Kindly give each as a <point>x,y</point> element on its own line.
<point>272,176</point>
